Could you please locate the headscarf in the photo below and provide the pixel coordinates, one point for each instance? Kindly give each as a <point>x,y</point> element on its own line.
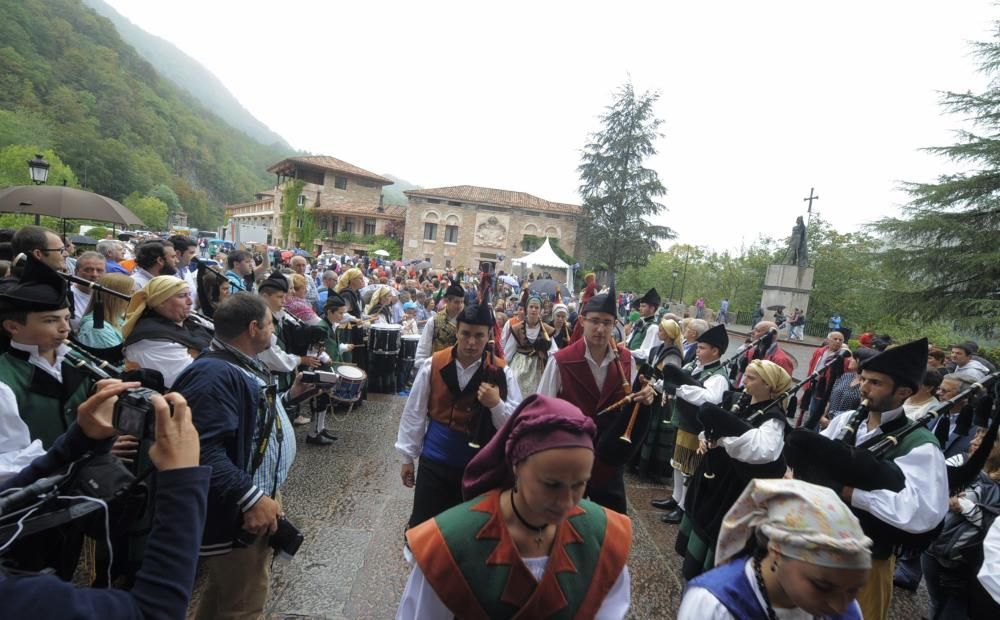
<point>800,520</point>
<point>539,423</point>
<point>773,375</point>
<point>345,279</point>
<point>556,309</point>
<point>379,297</point>
<point>156,291</point>
<point>672,329</point>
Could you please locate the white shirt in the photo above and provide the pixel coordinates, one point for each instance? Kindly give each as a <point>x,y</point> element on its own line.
<point>923,502</point>
<point>425,348</point>
<point>17,451</point>
<point>413,423</point>
<point>421,602</point>
<point>989,574</point>
<point>915,411</point>
<point>509,340</point>
<point>757,446</point>
<point>649,340</point>
<point>170,358</point>
<point>714,389</point>
<point>81,299</point>
<point>141,277</point>
<point>551,383</point>
<point>38,361</point>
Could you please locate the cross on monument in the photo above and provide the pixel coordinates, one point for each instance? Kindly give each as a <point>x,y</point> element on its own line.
<point>810,201</point>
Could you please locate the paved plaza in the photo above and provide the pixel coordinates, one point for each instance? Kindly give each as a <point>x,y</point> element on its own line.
<point>350,504</point>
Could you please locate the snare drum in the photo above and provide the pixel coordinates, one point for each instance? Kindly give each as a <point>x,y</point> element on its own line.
<point>352,379</point>
<point>352,333</point>
<point>409,347</point>
<point>384,339</point>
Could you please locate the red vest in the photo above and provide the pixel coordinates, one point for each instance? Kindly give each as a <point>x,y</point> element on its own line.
<point>577,382</point>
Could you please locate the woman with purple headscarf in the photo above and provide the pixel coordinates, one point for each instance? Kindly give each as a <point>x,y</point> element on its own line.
<point>525,543</point>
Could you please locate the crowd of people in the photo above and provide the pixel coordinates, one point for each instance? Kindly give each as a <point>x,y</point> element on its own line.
<point>160,390</point>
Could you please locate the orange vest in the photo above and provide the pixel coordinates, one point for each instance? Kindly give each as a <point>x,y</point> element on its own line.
<point>457,412</point>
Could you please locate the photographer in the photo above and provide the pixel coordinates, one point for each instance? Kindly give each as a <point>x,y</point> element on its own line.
<point>248,441</point>
<point>163,585</point>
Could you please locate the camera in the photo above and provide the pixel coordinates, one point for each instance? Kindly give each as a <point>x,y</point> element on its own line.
<point>134,414</point>
<point>286,541</point>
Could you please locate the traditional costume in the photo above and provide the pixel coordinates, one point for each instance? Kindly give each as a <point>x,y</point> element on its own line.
<point>528,347</point>
<point>467,564</point>
<point>658,447</point>
<point>440,332</point>
<point>573,375</point>
<point>900,495</point>
<point>642,339</point>
<point>353,333</point>
<point>47,394</point>
<point>442,417</point>
<point>798,520</point>
<point>749,444</point>
<point>561,335</point>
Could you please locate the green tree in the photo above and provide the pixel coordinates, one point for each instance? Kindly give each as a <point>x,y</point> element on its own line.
<point>943,251</point>
<point>152,211</point>
<point>619,193</point>
<point>14,166</point>
<point>167,196</point>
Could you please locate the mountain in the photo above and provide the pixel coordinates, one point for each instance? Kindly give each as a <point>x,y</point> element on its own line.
<point>394,193</point>
<point>188,74</point>
<point>70,83</point>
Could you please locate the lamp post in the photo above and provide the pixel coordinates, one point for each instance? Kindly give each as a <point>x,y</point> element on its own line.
<point>38,168</point>
<point>672,283</point>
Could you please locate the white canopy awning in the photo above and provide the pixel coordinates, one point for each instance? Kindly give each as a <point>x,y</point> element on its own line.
<point>545,256</point>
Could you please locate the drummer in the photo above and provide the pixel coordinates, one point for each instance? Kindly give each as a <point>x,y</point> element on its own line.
<point>333,314</point>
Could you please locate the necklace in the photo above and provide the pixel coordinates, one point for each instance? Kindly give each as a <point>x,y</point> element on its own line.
<point>763,590</point>
<point>537,529</point>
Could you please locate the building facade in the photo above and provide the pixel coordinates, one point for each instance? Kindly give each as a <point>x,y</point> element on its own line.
<point>464,225</point>
<point>344,200</point>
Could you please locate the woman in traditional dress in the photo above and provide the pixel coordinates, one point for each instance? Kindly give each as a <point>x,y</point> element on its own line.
<point>658,447</point>
<point>561,330</point>
<point>738,446</point>
<point>527,344</point>
<point>787,549</point>
<point>526,544</point>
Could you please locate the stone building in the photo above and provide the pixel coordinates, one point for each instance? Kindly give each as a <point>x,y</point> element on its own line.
<point>463,226</point>
<point>345,200</point>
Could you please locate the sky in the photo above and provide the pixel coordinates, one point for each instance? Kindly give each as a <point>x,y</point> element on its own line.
<point>760,101</point>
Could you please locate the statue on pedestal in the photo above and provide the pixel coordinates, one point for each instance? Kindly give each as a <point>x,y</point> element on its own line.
<point>797,254</point>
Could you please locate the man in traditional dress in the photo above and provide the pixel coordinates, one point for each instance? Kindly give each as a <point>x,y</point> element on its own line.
<point>581,374</point>
<point>642,339</point>
<point>900,494</point>
<point>443,417</point>
<point>703,381</point>
<point>439,334</point>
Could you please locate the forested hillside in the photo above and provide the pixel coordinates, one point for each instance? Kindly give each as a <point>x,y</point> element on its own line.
<point>69,83</point>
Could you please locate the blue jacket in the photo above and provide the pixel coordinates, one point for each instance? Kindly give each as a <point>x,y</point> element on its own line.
<point>224,404</point>
<point>164,582</point>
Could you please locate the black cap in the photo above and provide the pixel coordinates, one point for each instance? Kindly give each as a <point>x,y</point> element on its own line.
<point>454,290</point>
<point>906,363</point>
<point>476,314</point>
<point>276,280</point>
<point>604,302</point>
<point>651,297</point>
<point>40,289</point>
<point>718,337</point>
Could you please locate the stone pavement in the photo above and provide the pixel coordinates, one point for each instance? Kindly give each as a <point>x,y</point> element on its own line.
<point>350,504</point>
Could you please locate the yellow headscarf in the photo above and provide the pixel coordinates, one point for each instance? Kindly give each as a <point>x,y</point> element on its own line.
<point>345,279</point>
<point>379,298</point>
<point>672,329</point>
<point>157,291</point>
<point>773,375</point>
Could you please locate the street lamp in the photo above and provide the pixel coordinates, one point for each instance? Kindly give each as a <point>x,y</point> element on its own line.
<point>673,273</point>
<point>38,168</point>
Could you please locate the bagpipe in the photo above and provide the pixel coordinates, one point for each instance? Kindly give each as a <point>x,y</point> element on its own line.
<point>299,338</point>
<point>98,368</point>
<point>614,442</point>
<point>737,361</point>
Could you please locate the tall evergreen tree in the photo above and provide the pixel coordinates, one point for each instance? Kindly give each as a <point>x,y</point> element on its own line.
<point>619,194</point>
<point>944,249</point>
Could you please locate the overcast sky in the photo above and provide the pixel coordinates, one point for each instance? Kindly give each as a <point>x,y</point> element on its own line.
<point>760,100</point>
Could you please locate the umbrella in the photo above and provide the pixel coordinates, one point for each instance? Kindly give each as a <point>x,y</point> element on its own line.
<point>82,240</point>
<point>301,252</point>
<point>776,307</point>
<point>510,280</point>
<point>549,287</point>
<point>422,265</point>
<point>65,203</point>
<point>380,253</point>
<point>397,263</point>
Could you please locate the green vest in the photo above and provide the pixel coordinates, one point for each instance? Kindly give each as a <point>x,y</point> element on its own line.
<point>685,415</point>
<point>46,406</point>
<point>332,345</point>
<point>445,334</point>
<point>639,332</point>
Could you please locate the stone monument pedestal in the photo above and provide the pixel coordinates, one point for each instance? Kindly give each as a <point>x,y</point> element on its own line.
<point>788,286</point>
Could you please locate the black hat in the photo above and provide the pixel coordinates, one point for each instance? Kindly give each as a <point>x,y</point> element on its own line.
<point>717,336</point>
<point>454,290</point>
<point>651,297</point>
<point>604,302</point>
<point>276,280</point>
<point>476,314</point>
<point>40,289</point>
<point>906,363</point>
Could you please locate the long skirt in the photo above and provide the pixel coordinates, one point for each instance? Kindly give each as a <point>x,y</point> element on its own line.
<point>527,370</point>
<point>686,457</point>
<point>658,447</point>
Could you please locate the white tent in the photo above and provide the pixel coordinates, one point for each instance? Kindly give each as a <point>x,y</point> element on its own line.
<point>546,257</point>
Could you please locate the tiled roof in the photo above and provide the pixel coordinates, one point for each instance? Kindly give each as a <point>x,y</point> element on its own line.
<point>327,163</point>
<point>363,208</point>
<point>495,197</point>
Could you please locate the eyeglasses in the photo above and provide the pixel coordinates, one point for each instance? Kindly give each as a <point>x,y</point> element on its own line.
<point>63,249</point>
<point>600,323</point>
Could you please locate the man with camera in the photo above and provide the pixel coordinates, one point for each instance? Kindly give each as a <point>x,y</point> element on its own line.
<point>163,584</point>
<point>248,441</point>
